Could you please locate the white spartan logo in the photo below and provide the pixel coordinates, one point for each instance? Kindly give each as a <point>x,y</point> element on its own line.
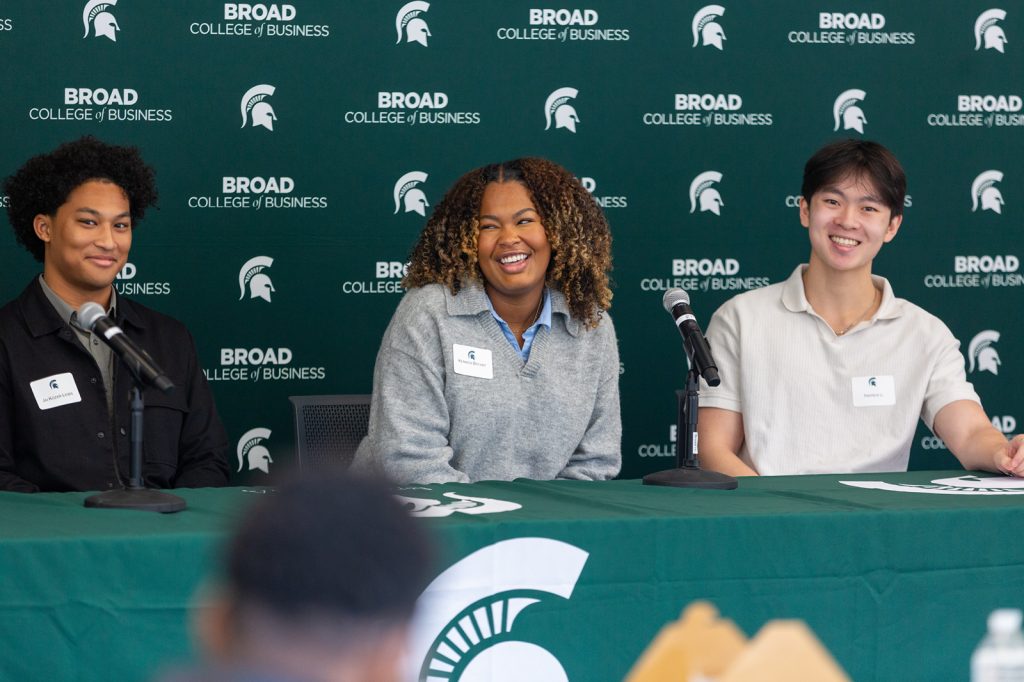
<point>102,22</point>
<point>253,101</point>
<point>706,29</point>
<point>987,30</point>
<point>702,192</point>
<point>250,450</point>
<point>980,353</point>
<point>411,25</point>
<point>557,105</point>
<point>466,623</point>
<point>846,112</point>
<point>253,278</point>
<point>984,189</point>
<point>409,195</point>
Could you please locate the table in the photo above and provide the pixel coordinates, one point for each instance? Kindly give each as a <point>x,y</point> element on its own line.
<point>896,583</point>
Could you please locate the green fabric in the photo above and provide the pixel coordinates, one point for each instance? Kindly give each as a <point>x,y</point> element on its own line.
<point>896,585</point>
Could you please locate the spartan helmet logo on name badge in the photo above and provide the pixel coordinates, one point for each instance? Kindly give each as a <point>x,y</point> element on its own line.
<point>557,105</point>
<point>407,193</point>
<point>983,190</point>
<point>252,275</point>
<point>706,30</point>
<point>988,31</point>
<point>254,101</point>
<point>464,628</point>
<point>846,111</point>
<point>980,353</point>
<point>702,191</point>
<point>250,450</point>
<point>411,25</point>
<point>103,23</point>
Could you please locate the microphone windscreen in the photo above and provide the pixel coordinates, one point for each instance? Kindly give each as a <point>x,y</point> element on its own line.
<point>89,313</point>
<point>674,297</point>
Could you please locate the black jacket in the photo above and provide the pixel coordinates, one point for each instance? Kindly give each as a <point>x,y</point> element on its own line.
<point>80,446</point>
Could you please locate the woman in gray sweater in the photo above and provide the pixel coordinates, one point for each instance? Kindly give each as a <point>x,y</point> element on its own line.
<point>500,361</point>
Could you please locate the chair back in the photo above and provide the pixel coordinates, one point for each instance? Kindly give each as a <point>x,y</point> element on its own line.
<point>329,428</point>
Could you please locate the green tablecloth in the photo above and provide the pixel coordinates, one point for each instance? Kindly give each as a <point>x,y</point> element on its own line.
<point>897,585</point>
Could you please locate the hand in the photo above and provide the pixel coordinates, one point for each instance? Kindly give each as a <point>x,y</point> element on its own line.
<point>1010,457</point>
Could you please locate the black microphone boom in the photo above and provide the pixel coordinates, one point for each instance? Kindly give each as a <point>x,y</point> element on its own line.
<point>92,317</point>
<point>677,304</point>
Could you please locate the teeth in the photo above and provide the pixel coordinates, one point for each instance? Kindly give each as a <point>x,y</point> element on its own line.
<point>843,241</point>
<point>512,259</point>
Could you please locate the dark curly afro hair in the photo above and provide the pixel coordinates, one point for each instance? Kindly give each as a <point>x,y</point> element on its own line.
<point>43,184</point>
<point>581,242</point>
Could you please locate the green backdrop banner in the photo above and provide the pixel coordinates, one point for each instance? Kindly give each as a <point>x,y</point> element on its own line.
<point>299,147</point>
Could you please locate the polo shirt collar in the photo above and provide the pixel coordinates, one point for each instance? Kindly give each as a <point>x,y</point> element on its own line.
<point>795,300</point>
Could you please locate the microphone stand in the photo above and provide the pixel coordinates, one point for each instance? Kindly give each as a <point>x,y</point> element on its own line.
<point>136,495</point>
<point>688,473</point>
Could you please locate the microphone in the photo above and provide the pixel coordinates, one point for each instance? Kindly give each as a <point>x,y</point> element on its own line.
<point>677,304</point>
<point>92,317</point>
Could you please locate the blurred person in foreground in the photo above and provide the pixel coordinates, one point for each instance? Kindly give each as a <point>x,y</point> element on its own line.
<point>501,361</point>
<point>829,372</point>
<point>64,396</point>
<point>319,585</point>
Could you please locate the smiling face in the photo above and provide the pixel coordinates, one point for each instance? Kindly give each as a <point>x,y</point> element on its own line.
<point>512,246</point>
<point>87,242</point>
<point>847,223</point>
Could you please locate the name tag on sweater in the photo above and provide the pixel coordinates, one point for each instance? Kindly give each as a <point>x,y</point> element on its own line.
<point>473,362</point>
<point>56,390</point>
<point>876,391</point>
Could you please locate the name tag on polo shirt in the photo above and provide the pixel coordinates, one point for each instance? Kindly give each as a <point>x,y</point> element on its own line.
<point>875,391</point>
<point>54,391</point>
<point>473,362</point>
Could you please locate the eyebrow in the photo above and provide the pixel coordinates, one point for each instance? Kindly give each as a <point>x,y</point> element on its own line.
<point>864,197</point>
<point>514,215</point>
<point>94,212</point>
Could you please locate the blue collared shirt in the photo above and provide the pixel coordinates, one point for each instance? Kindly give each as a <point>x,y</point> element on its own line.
<point>544,319</point>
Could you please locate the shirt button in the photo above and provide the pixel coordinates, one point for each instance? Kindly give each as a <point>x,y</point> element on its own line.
<point>100,435</point>
<point>92,380</point>
<point>124,431</point>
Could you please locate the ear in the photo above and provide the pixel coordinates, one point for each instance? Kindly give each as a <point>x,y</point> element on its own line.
<point>41,224</point>
<point>893,228</point>
<point>383,660</point>
<point>213,626</point>
<point>805,212</point>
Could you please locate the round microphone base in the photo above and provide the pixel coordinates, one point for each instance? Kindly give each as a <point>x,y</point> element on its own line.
<point>143,499</point>
<point>686,477</point>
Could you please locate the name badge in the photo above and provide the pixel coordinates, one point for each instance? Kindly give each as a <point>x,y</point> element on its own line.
<point>54,391</point>
<point>875,391</point>
<point>473,362</point>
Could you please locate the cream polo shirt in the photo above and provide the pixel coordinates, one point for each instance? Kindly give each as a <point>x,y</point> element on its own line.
<point>814,402</point>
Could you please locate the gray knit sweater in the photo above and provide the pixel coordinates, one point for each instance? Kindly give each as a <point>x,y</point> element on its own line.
<point>555,416</point>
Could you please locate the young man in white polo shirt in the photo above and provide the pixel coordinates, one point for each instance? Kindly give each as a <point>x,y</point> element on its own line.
<point>828,372</point>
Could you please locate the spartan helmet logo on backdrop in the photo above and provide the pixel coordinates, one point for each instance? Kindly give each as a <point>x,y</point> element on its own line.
<point>702,192</point>
<point>253,277</point>
<point>408,194</point>
<point>411,25</point>
<point>102,22</point>
<point>846,111</point>
<point>987,30</point>
<point>706,29</point>
<point>985,192</point>
<point>253,101</point>
<point>252,452</point>
<point>981,354</point>
<point>557,105</point>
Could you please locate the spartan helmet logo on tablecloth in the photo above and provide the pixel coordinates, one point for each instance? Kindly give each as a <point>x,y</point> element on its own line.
<point>409,23</point>
<point>846,111</point>
<point>984,189</point>
<point>980,353</point>
<point>557,105</point>
<point>262,112</point>
<point>250,450</point>
<point>706,29</point>
<point>702,191</point>
<point>102,22</point>
<point>987,30</point>
<point>408,194</point>
<point>253,277</point>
